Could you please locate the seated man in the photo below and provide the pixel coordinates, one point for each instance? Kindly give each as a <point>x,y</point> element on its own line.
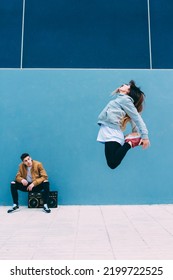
<point>31,176</point>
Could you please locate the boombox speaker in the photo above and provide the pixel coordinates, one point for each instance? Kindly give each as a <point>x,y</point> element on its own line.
<point>35,199</point>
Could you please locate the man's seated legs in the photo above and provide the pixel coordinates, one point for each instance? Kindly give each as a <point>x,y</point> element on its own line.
<point>15,186</point>
<point>45,187</point>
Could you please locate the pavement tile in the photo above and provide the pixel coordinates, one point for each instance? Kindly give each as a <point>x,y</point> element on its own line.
<point>101,232</point>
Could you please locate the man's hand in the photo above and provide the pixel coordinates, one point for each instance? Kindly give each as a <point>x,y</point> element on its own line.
<point>30,187</point>
<point>145,143</point>
<point>24,182</point>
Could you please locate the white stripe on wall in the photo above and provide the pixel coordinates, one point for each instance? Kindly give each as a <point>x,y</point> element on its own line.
<point>149,34</point>
<point>22,37</point>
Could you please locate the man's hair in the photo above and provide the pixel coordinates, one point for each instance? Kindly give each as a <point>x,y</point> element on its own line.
<point>24,155</point>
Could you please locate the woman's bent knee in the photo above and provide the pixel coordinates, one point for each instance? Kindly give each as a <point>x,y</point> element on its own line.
<point>112,165</point>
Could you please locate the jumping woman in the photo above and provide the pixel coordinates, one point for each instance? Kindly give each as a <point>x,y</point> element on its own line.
<point>125,107</point>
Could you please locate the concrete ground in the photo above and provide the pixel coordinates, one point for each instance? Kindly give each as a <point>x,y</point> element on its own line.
<point>140,232</point>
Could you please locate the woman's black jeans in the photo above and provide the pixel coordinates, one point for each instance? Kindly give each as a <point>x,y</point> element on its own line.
<point>115,153</point>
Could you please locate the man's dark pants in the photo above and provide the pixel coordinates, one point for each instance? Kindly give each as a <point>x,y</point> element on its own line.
<point>44,186</point>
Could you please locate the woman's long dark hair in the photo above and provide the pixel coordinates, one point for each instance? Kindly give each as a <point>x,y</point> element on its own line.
<point>138,97</point>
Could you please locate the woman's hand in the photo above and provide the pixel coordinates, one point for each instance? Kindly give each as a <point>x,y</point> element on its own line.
<point>145,143</point>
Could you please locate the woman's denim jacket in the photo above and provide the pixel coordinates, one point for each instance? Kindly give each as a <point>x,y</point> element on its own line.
<point>116,110</point>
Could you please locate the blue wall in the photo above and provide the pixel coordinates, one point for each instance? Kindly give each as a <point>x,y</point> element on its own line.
<point>52,114</point>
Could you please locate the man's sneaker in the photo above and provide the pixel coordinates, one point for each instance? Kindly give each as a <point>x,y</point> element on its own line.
<point>14,208</point>
<point>46,209</point>
<point>134,139</point>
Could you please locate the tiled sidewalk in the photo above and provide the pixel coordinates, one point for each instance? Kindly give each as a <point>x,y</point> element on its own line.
<point>88,232</point>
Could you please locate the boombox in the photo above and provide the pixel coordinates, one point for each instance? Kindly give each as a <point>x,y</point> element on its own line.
<point>35,199</point>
